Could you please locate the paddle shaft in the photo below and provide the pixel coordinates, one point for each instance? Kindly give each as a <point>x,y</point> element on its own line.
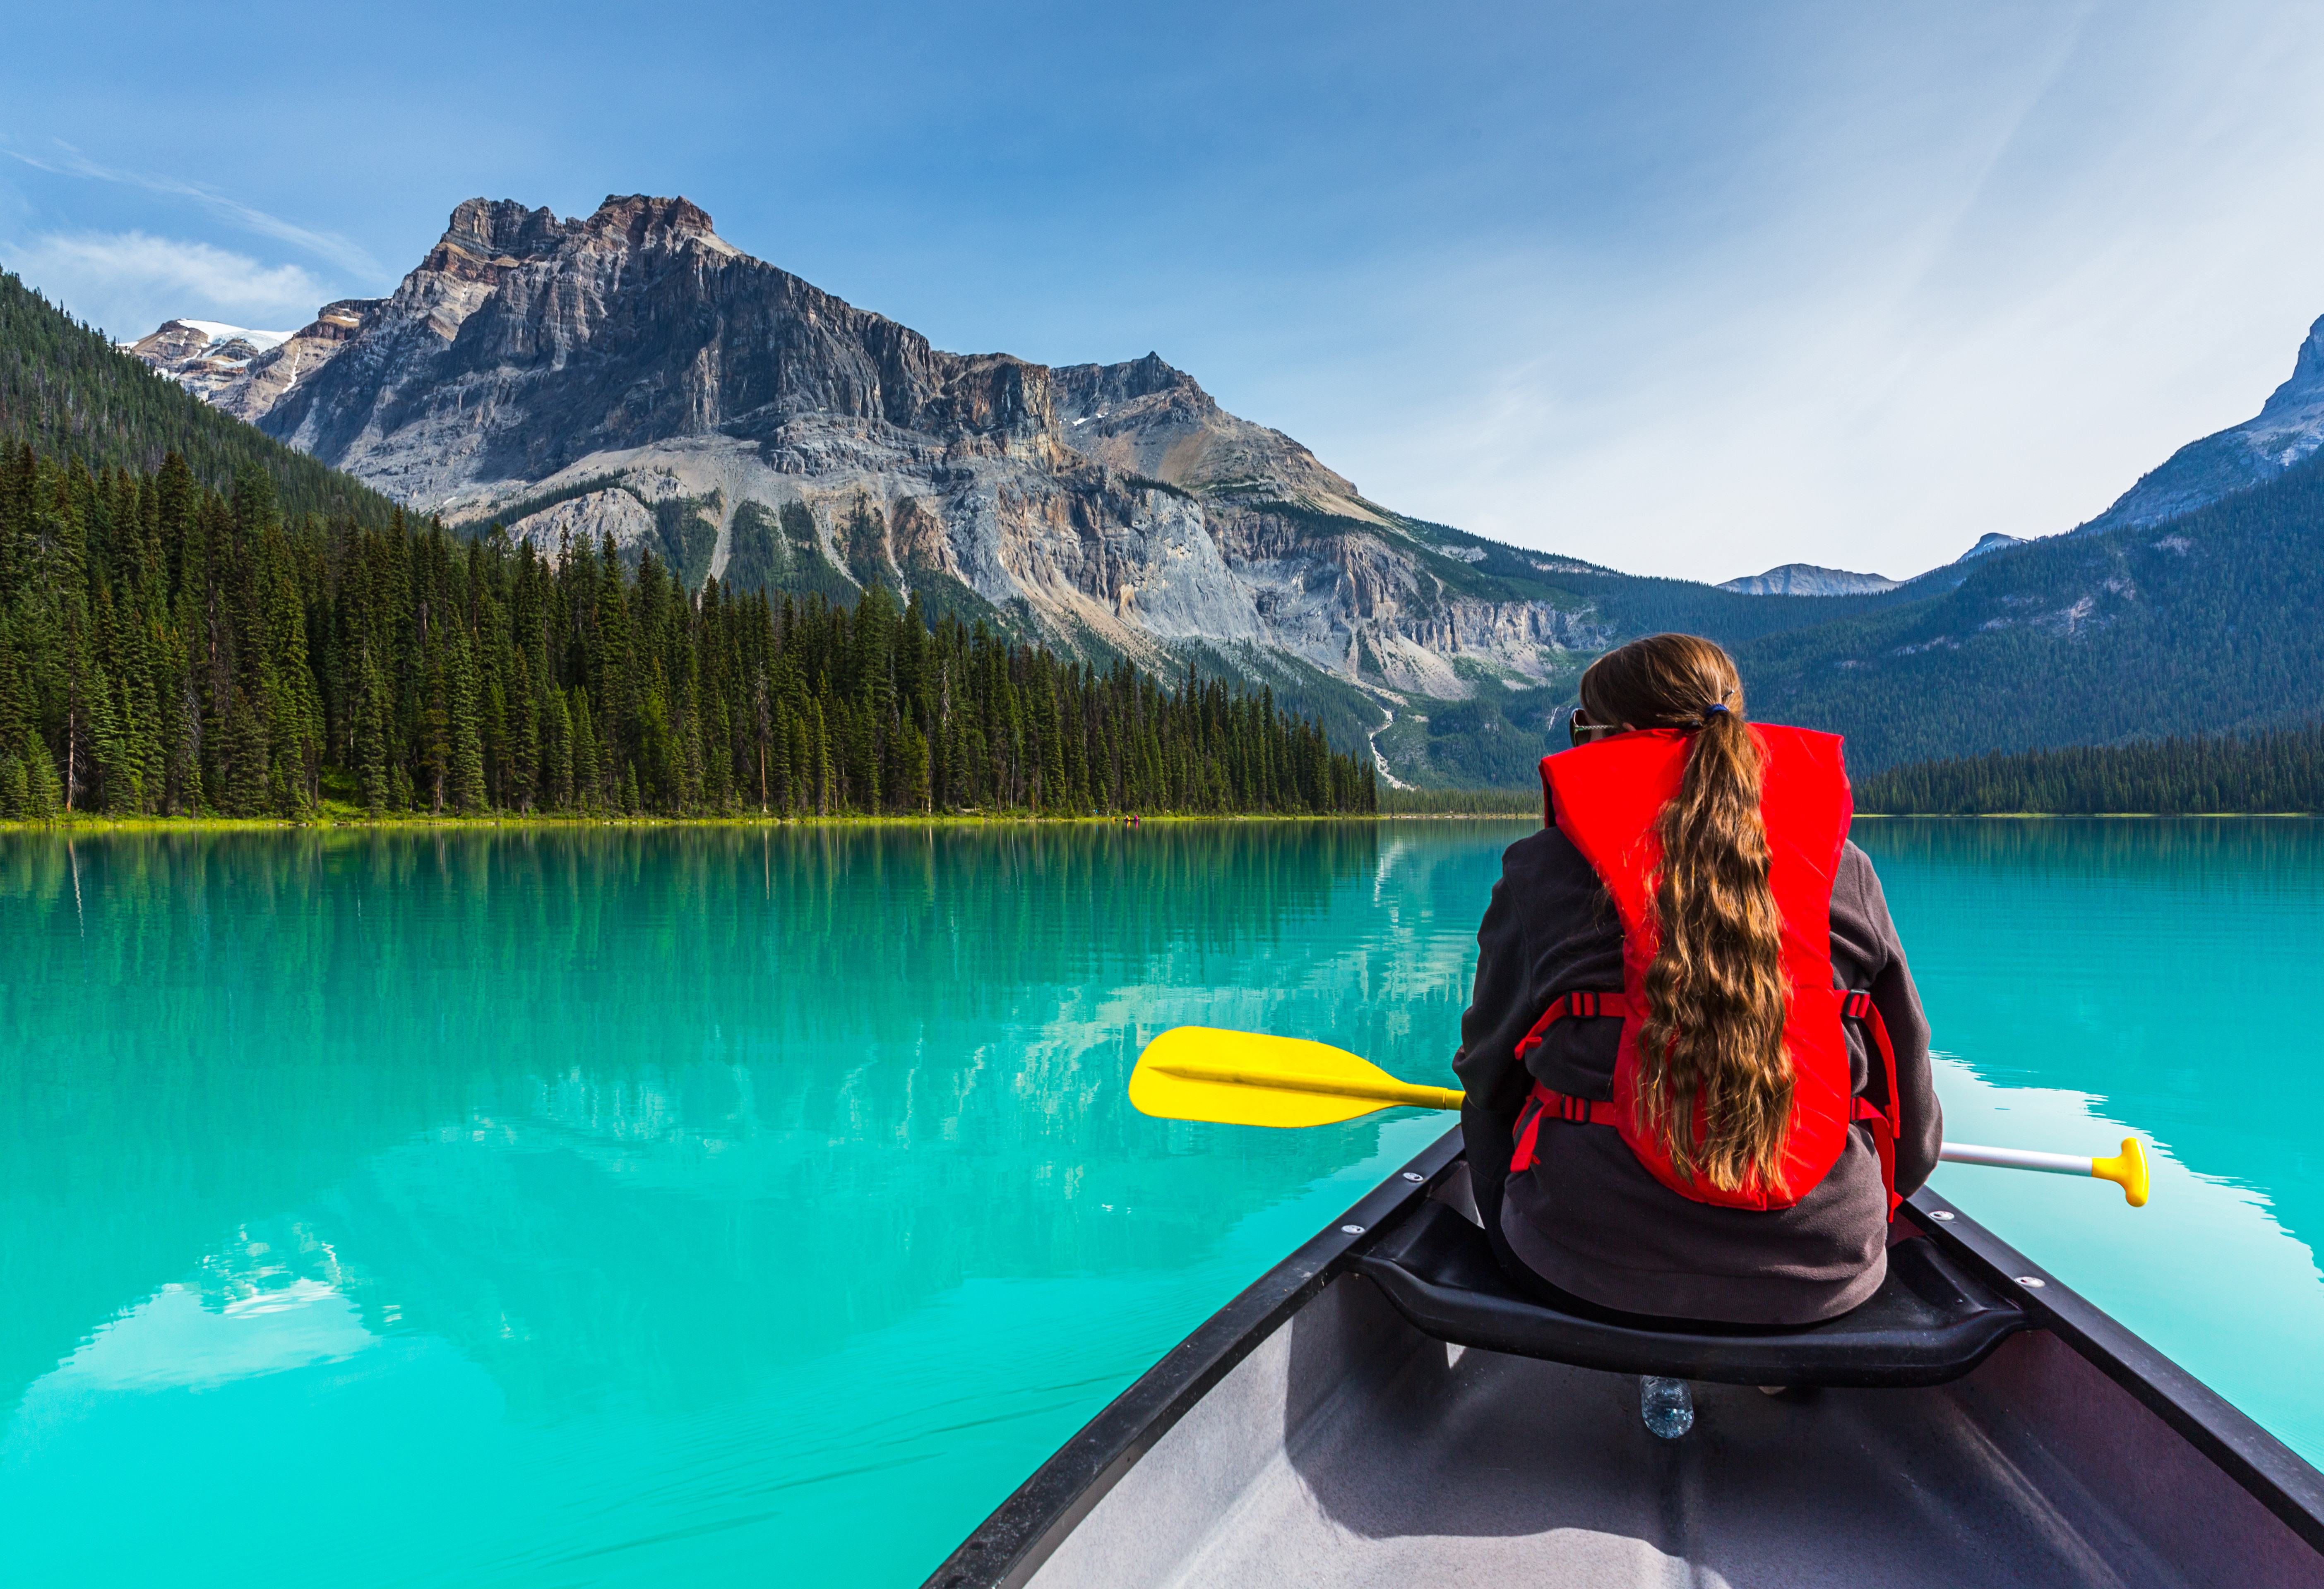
<point>1387,1092</point>
<point>1413,1096</point>
<point>1968,1153</point>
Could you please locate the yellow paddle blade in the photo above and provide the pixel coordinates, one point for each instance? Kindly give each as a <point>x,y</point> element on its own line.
<point>2127,1170</point>
<point>1249,1079</point>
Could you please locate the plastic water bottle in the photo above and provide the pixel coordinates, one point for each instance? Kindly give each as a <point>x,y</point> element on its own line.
<point>1667,1405</point>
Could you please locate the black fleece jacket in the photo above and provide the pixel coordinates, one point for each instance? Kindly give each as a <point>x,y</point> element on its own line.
<point>1588,1217</point>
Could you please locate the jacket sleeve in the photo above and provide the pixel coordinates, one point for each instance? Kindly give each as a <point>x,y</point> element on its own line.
<point>1882,955</point>
<point>1499,1016</point>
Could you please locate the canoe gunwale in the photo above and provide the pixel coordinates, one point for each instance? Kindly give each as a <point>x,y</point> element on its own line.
<point>1011,1545</point>
<point>2270,1472</point>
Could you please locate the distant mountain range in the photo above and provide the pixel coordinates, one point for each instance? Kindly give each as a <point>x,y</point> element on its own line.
<point>633,375</point>
<point>1805,579</point>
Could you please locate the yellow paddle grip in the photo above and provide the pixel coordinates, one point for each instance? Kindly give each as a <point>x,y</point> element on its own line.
<point>2127,1170</point>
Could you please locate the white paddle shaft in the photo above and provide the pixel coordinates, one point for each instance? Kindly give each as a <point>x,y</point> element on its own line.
<point>1964,1152</point>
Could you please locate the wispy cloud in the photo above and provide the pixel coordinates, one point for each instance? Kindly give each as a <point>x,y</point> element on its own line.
<point>131,281</point>
<point>62,159</point>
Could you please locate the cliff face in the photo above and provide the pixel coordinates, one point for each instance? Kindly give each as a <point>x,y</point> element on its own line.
<point>631,374</point>
<point>523,345</point>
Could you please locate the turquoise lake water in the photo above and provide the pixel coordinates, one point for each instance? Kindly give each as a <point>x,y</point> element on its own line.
<point>586,1206</point>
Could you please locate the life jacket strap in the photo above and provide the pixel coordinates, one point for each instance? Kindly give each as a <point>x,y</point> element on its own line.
<point>1579,1005</point>
<point>1545,1103</point>
<point>1886,1121</point>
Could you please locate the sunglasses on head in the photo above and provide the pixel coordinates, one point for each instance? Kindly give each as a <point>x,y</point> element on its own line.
<point>1582,731</point>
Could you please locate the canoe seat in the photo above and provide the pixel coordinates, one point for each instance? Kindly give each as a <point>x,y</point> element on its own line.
<point>1931,1321</point>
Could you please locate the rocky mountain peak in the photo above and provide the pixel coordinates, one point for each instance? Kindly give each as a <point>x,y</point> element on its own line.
<point>500,230</point>
<point>642,220</point>
<point>2289,427</point>
<point>2305,389</point>
<point>1808,579</point>
<point>1087,390</point>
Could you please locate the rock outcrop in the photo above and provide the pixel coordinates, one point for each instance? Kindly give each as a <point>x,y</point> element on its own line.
<point>262,382</point>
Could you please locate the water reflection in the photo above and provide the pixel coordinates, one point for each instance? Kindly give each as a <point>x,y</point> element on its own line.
<point>640,1206</point>
<point>647,1114</point>
<point>2157,965</point>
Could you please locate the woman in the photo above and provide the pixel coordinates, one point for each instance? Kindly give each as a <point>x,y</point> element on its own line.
<point>1697,1069</point>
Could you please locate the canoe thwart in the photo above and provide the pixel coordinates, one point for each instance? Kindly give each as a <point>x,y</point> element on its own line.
<point>1931,1321</point>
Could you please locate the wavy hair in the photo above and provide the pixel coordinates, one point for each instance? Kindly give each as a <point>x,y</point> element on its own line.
<point>1712,1033</point>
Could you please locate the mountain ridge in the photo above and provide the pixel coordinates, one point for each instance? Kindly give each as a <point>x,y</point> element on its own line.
<point>2288,427</point>
<point>1808,579</point>
<point>2200,624</point>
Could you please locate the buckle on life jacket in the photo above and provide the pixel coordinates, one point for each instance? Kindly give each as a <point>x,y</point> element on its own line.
<point>1583,1005</point>
<point>1546,1104</point>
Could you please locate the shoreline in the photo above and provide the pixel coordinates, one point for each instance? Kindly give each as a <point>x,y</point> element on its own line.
<point>349,819</point>
<point>81,823</point>
<point>2087,816</point>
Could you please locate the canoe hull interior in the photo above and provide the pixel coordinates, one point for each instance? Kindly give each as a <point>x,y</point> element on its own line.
<point>1311,1435</point>
<point>1349,1450</point>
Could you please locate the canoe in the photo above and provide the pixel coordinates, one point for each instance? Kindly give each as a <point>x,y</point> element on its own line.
<point>1378,1410</point>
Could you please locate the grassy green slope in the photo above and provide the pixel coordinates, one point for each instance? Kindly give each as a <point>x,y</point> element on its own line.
<point>2208,623</point>
<point>68,391</point>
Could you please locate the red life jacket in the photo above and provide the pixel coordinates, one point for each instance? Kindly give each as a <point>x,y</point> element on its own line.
<point>1606,798</point>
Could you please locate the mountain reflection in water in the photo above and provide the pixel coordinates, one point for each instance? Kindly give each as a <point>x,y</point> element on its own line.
<point>631,1206</point>
<point>646,1123</point>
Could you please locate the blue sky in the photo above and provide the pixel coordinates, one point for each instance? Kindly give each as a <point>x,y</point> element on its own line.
<point>1686,289</point>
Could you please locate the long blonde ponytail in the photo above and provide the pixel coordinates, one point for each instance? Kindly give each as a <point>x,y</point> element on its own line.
<point>1712,1035</point>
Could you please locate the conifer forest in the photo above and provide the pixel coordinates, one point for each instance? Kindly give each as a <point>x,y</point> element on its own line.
<point>171,649</point>
<point>2278,771</point>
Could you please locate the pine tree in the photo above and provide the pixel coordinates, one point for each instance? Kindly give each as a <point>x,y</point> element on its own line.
<point>247,764</point>
<point>466,771</point>
<point>588,773</point>
<point>371,740</point>
<point>44,791</point>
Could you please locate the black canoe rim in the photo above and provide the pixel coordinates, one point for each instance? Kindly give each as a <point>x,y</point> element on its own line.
<point>1010,1546</point>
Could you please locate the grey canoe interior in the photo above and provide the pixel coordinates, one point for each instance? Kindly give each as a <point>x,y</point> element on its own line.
<point>1312,1435</point>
